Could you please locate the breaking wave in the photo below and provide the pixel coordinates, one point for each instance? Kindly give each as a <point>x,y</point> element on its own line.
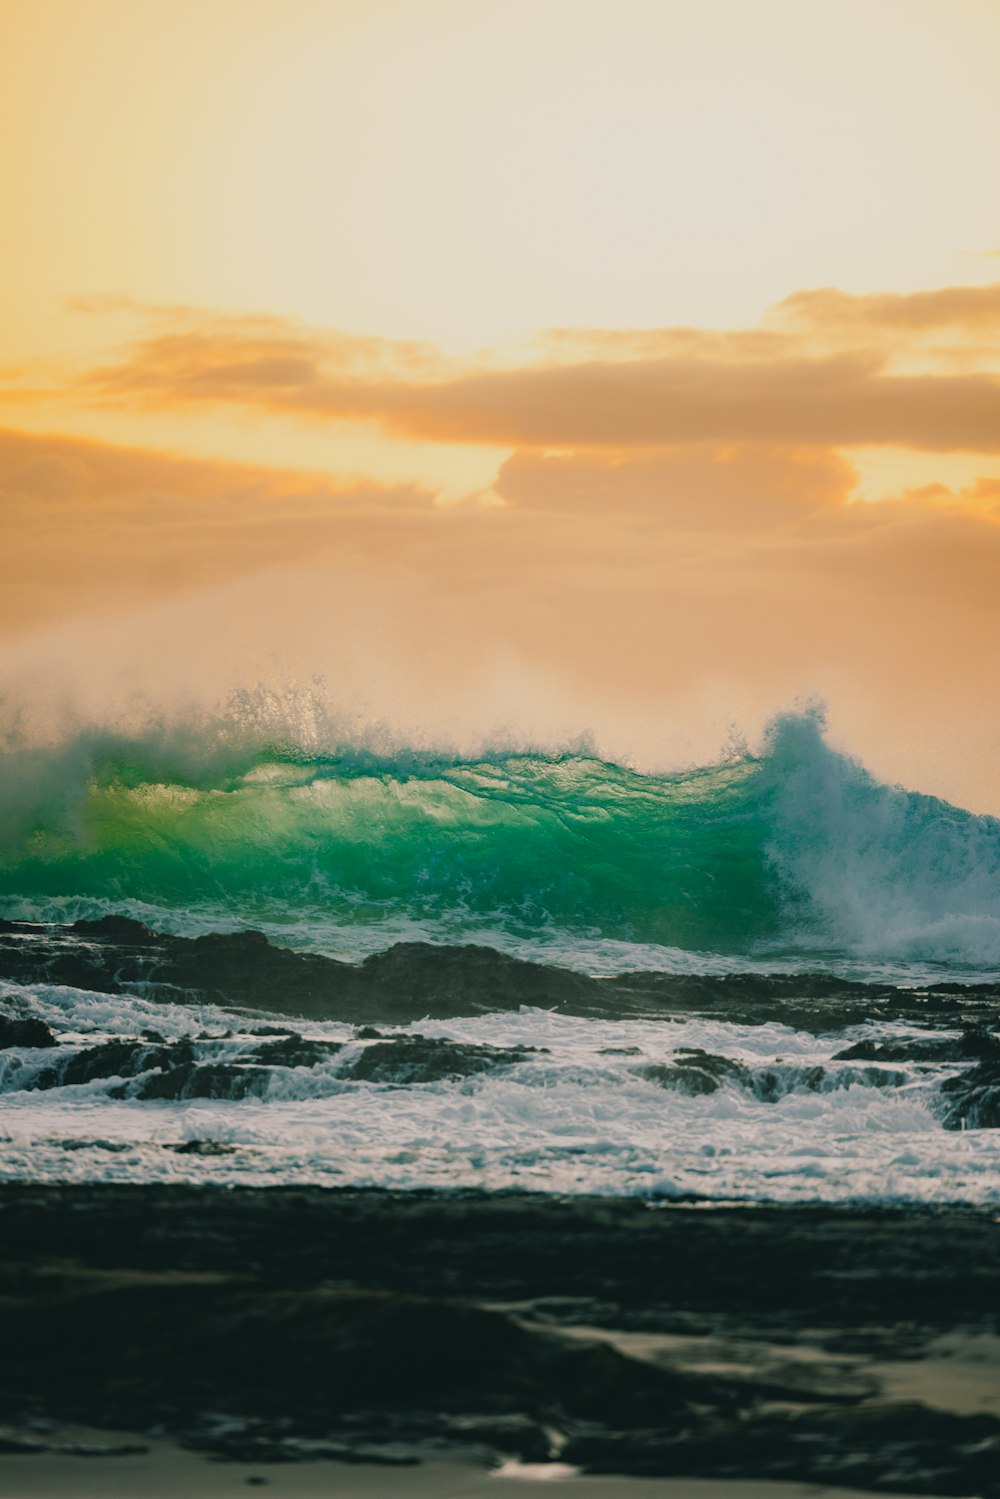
<point>793,847</point>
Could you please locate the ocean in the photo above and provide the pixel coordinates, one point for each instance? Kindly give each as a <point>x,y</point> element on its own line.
<point>773,978</point>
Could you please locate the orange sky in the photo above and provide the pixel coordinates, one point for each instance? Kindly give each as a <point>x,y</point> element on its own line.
<point>539,369</point>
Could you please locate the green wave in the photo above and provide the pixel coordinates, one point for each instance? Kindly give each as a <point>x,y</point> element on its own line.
<point>765,848</point>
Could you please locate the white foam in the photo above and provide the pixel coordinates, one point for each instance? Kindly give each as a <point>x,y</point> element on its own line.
<point>575,1118</point>
<point>894,876</point>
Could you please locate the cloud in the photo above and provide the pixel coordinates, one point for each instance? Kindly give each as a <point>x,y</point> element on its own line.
<point>971,309</point>
<point>53,477</point>
<point>693,487</point>
<point>30,462</point>
<point>200,355</point>
<point>89,526</point>
<point>662,388</point>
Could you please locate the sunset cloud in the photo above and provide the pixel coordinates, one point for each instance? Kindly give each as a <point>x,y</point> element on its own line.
<point>661,387</point>
<point>971,309</point>
<point>691,487</point>
<point>90,526</point>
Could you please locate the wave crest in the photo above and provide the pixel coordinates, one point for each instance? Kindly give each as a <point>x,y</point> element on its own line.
<point>793,846</point>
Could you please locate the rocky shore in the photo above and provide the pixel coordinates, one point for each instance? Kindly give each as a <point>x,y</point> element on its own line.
<point>846,1346</point>
<point>413,980</point>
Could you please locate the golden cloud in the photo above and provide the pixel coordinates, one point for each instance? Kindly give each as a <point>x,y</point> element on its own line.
<point>619,390</point>
<point>690,487</point>
<point>971,309</point>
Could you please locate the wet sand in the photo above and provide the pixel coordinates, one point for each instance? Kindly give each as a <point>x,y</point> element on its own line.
<point>168,1470</point>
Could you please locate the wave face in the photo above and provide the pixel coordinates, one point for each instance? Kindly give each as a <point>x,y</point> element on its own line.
<point>794,847</point>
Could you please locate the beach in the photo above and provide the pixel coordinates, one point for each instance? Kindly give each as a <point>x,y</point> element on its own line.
<point>168,1470</point>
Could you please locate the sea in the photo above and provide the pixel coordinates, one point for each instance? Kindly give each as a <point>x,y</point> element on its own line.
<point>775,875</point>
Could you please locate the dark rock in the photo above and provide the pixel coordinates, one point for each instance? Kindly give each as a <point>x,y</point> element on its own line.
<point>180,1069</point>
<point>258,1440</point>
<point>412,980</point>
<point>18,1443</point>
<point>296,1051</point>
<point>695,1072</point>
<point>125,1059</point>
<point>223,1080</point>
<point>771,1083</point>
<point>203,1147</point>
<point>840,1267</point>
<point>426,1059</point>
<point>892,1448</point>
<point>122,931</point>
<point>972,1100</point>
<point>293,1310</point>
<point>971,1046</point>
<point>316,1353</point>
<point>24,1031</point>
<point>100,1449</point>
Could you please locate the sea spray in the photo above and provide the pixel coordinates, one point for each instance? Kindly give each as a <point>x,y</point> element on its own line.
<point>794,846</point>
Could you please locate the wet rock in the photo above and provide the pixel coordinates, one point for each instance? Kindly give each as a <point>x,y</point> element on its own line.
<point>126,1059</point>
<point>258,1440</point>
<point>100,1449</point>
<point>412,980</point>
<point>296,1051</point>
<point>971,1046</point>
<point>292,1310</point>
<point>122,1352</point>
<point>17,1442</point>
<point>426,1059</point>
<point>24,1031</point>
<point>507,1436</point>
<point>892,1448</point>
<point>695,1072</point>
<point>203,1147</point>
<point>771,1083</point>
<point>20,1441</point>
<point>180,1069</point>
<point>778,1268</point>
<point>972,1100</point>
<point>221,1080</point>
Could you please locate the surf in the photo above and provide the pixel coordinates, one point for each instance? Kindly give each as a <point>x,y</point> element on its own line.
<point>788,847</point>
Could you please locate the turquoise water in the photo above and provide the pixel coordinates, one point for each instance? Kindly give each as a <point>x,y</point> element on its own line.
<point>793,848</point>
<point>791,857</point>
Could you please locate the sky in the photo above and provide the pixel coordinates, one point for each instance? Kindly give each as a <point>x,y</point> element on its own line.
<point>624,370</point>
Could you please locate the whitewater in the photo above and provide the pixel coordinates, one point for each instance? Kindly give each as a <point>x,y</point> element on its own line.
<point>770,865</point>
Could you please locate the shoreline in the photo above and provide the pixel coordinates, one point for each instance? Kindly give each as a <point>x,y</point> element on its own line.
<point>166,1469</point>
<point>854,1345</point>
